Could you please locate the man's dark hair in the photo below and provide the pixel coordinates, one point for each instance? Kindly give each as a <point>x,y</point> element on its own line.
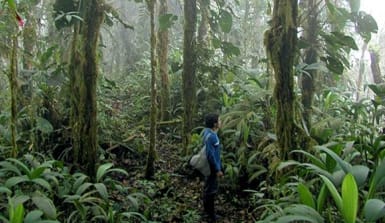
<point>210,120</point>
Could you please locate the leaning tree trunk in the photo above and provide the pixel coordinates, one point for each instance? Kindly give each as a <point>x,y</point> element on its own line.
<point>189,70</point>
<point>163,66</point>
<point>150,169</point>
<point>280,42</point>
<point>375,67</point>
<point>83,73</point>
<point>311,30</point>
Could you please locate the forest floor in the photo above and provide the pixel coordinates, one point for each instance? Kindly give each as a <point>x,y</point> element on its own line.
<point>176,194</point>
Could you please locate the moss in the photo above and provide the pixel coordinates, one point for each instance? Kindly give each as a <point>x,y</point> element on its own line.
<point>83,79</point>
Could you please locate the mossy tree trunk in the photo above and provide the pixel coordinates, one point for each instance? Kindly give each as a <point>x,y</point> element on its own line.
<point>203,30</point>
<point>280,42</point>
<point>375,67</point>
<point>189,71</point>
<point>83,71</point>
<point>311,31</point>
<point>163,66</point>
<point>12,76</point>
<point>150,169</point>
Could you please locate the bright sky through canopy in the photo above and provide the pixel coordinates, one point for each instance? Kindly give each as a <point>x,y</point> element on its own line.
<point>376,8</point>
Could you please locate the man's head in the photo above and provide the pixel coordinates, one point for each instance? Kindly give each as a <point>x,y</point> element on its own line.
<point>212,121</point>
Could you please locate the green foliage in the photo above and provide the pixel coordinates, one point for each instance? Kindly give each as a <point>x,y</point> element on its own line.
<point>65,12</point>
<point>166,21</point>
<point>43,191</point>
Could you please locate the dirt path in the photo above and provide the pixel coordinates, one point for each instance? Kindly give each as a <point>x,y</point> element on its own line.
<point>188,189</point>
<point>175,194</point>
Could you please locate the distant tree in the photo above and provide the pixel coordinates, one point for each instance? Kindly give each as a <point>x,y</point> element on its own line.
<point>83,72</point>
<point>310,34</point>
<point>150,169</point>
<point>375,66</point>
<point>163,65</point>
<point>189,71</point>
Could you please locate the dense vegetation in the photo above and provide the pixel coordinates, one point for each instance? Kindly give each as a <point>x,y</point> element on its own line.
<point>102,105</point>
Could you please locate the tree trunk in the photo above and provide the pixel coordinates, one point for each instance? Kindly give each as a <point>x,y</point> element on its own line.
<point>83,73</point>
<point>189,70</point>
<point>150,169</point>
<point>280,42</point>
<point>203,31</point>
<point>311,56</point>
<point>12,76</point>
<point>375,67</point>
<point>163,66</point>
<point>361,70</point>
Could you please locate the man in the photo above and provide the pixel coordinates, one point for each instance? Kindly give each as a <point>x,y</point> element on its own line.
<point>213,153</point>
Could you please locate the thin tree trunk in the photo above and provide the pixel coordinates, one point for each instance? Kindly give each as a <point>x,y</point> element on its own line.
<point>203,31</point>
<point>163,66</point>
<point>311,57</point>
<point>361,70</point>
<point>13,73</point>
<point>150,169</point>
<point>83,72</point>
<point>280,42</point>
<point>189,71</point>
<point>375,67</point>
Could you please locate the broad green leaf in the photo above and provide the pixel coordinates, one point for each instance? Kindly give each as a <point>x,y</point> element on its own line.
<point>21,199</point>
<point>333,64</point>
<point>35,173</point>
<point>12,4</point>
<point>82,188</point>
<point>5,190</point>
<point>8,166</point>
<point>318,170</point>
<point>360,174</point>
<point>24,169</point>
<point>374,209</point>
<point>296,218</point>
<point>102,170</point>
<point>349,199</point>
<point>314,160</point>
<point>80,179</point>
<point>33,216</point>
<point>349,42</point>
<point>378,178</point>
<point>322,197</point>
<point>45,205</point>
<point>305,211</point>
<point>365,25</point>
<point>305,196</point>
<point>43,125</point>
<point>17,214</point>
<point>346,167</point>
<point>230,50</point>
<point>117,170</point>
<point>71,198</point>
<point>225,21</point>
<point>45,184</point>
<point>333,191</point>
<point>15,180</point>
<point>102,190</point>
<point>378,89</point>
